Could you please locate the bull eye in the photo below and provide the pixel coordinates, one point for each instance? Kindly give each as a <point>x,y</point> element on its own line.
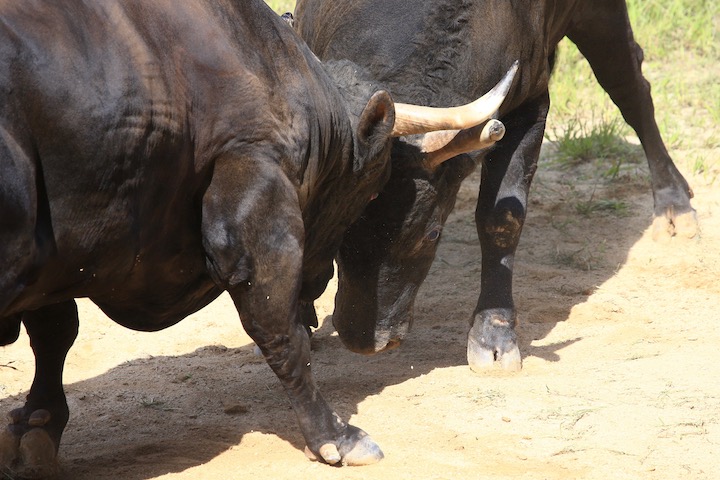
<point>433,235</point>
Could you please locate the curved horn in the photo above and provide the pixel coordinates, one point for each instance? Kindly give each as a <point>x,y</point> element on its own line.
<point>444,145</point>
<point>412,119</point>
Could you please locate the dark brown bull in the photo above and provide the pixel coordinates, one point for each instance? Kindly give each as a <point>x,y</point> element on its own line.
<point>154,153</point>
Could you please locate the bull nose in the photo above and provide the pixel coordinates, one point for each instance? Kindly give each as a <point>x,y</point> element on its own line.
<point>366,346</point>
<point>389,345</point>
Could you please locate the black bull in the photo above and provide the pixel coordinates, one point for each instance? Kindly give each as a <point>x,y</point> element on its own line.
<point>442,52</point>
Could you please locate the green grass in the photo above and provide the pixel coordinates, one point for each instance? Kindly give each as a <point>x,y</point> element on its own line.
<point>281,6</point>
<point>712,102</point>
<point>682,58</point>
<point>581,140</point>
<point>670,26</point>
<point>701,167</point>
<point>617,208</point>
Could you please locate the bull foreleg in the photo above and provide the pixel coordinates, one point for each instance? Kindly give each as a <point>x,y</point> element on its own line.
<point>328,437</point>
<point>500,215</point>
<point>311,290</point>
<point>254,245</point>
<point>29,444</point>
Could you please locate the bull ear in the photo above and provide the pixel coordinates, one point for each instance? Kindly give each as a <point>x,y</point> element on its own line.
<point>375,126</point>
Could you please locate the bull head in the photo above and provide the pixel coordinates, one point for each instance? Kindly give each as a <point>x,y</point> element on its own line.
<point>387,253</point>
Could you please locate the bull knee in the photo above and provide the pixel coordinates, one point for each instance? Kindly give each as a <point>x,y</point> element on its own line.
<point>503,228</point>
<point>639,53</point>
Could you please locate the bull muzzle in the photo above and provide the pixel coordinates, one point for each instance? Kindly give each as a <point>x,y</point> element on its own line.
<point>367,327</point>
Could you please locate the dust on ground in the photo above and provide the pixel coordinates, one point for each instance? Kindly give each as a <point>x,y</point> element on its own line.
<point>620,338</point>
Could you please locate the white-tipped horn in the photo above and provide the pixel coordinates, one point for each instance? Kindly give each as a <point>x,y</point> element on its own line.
<point>444,145</point>
<point>413,119</point>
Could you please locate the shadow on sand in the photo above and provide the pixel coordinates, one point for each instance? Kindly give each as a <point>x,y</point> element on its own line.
<point>201,404</point>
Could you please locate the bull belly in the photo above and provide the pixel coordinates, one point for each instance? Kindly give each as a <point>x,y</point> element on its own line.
<point>156,308</point>
<point>150,295</point>
<point>157,294</point>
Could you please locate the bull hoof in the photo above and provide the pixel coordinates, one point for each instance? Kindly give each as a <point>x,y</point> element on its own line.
<point>28,454</point>
<point>492,340</point>
<point>365,452</point>
<point>358,450</point>
<point>511,360</point>
<point>665,227</point>
<point>481,359</point>
<point>686,225</point>
<point>662,230</point>
<point>478,357</point>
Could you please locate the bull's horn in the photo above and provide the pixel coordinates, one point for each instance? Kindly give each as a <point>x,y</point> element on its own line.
<point>444,145</point>
<point>413,119</point>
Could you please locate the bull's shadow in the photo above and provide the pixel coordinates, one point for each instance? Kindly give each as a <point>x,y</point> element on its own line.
<point>580,227</point>
<point>153,416</point>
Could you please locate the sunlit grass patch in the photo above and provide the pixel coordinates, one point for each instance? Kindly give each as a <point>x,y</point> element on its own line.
<point>617,208</point>
<point>281,6</point>
<point>676,26</point>
<point>701,167</point>
<point>580,141</point>
<point>681,42</point>
<point>712,103</point>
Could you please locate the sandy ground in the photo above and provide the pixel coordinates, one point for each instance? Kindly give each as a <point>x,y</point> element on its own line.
<point>620,339</point>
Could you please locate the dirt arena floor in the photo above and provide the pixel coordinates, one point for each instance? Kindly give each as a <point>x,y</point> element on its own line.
<point>620,337</point>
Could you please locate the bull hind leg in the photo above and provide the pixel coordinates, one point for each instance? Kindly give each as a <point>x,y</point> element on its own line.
<point>603,35</point>
<point>29,444</point>
<point>253,237</point>
<point>500,215</point>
